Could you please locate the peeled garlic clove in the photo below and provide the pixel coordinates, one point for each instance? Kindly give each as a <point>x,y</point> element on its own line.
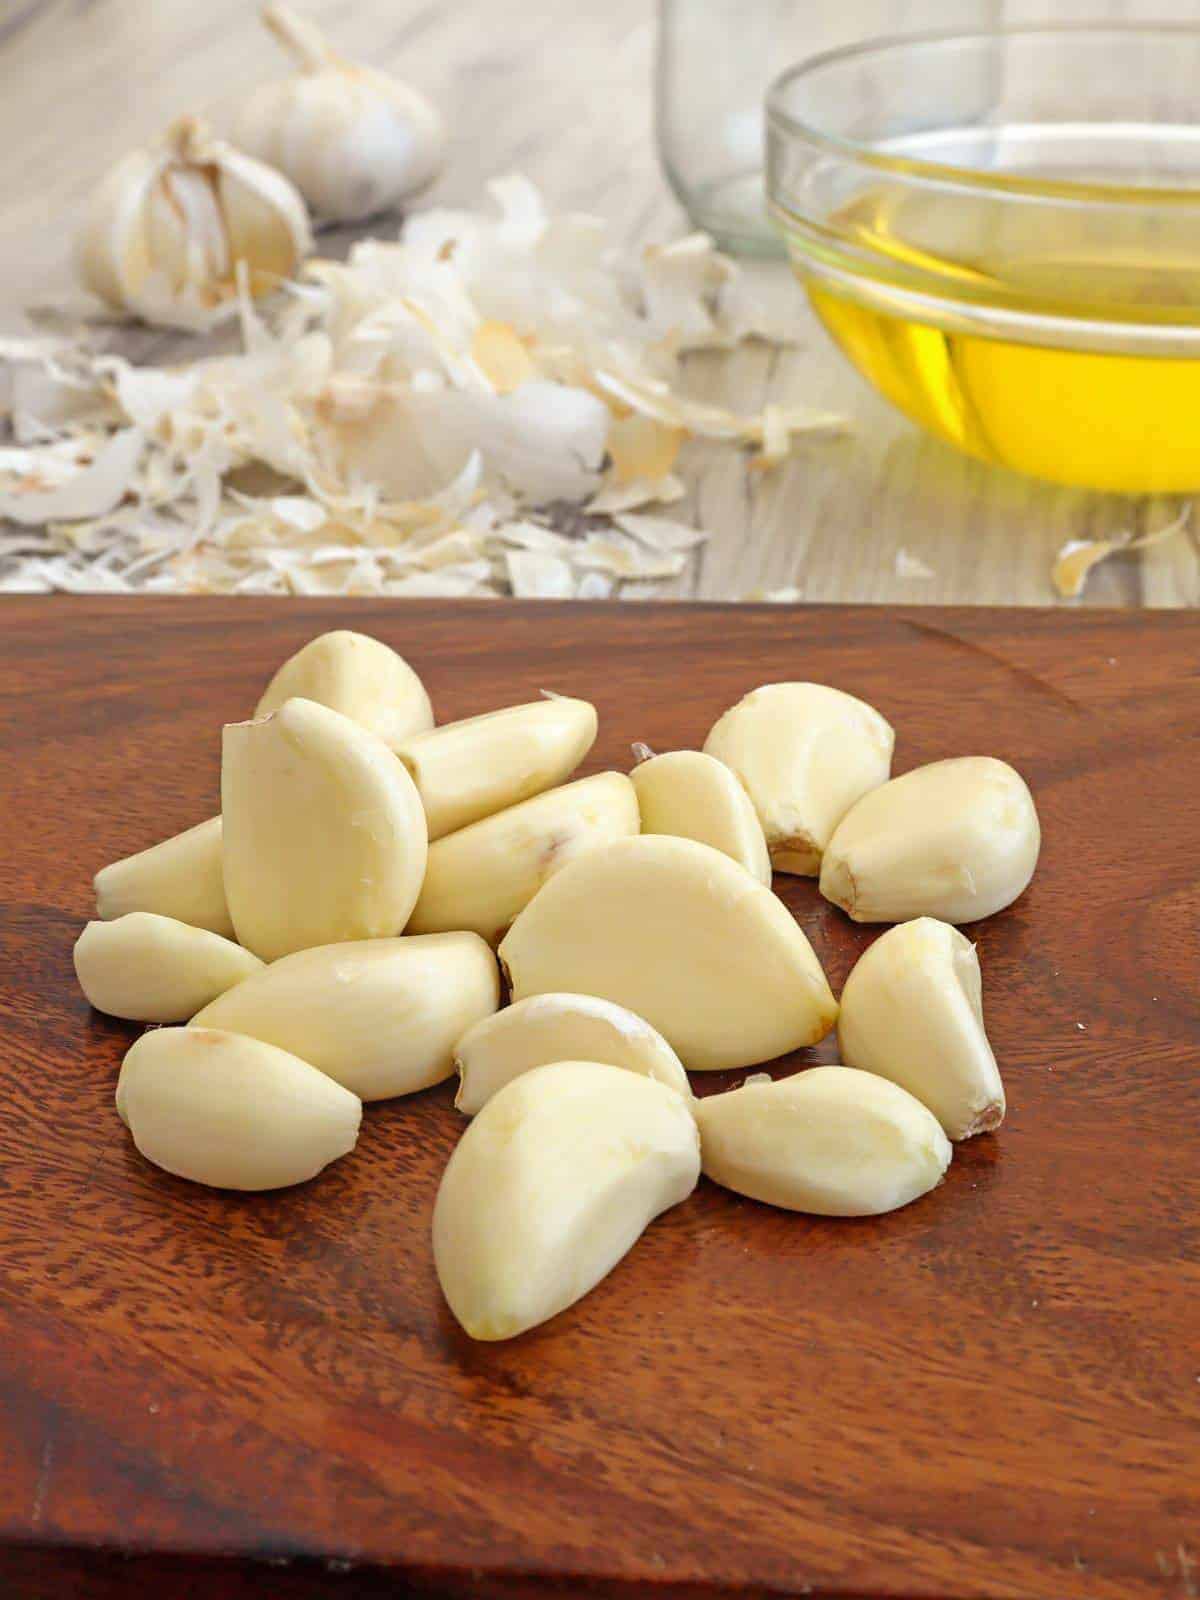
<point>324,835</point>
<point>379,1016</point>
<point>806,754</point>
<point>559,1027</point>
<point>682,936</point>
<point>181,878</point>
<point>354,141</point>
<point>468,770</point>
<point>695,796</point>
<point>232,1112</point>
<point>154,969</point>
<point>358,676</point>
<point>912,1011</point>
<point>169,228</point>
<point>833,1141</point>
<point>957,840</point>
<point>552,1183</point>
<point>482,876</point>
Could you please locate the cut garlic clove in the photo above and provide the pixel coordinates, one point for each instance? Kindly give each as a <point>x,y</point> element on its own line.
<point>354,141</point>
<point>180,878</point>
<point>694,796</point>
<point>957,840</point>
<point>833,1141</point>
<point>169,229</point>
<point>232,1112</point>
<point>682,936</point>
<point>805,753</point>
<point>149,968</point>
<point>465,771</point>
<point>551,1185</point>
<point>379,1016</point>
<point>360,677</point>
<point>482,876</point>
<point>324,835</point>
<point>912,1011</point>
<point>559,1027</point>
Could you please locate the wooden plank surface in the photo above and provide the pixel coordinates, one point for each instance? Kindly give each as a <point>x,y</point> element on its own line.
<point>993,1393</point>
<point>563,93</point>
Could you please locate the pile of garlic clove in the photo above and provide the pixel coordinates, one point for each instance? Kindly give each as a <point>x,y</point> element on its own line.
<point>339,932</point>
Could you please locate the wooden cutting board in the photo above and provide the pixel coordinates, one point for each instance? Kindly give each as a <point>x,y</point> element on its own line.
<point>993,1393</point>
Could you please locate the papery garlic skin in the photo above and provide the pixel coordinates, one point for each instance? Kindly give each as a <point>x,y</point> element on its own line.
<point>168,230</point>
<point>832,1141</point>
<point>482,876</point>
<point>680,935</point>
<point>465,771</point>
<point>559,1027</point>
<point>551,1184</point>
<point>361,677</point>
<point>805,753</point>
<point>690,795</point>
<point>324,835</point>
<point>957,840</point>
<point>912,1011</point>
<point>182,878</point>
<point>379,1016</point>
<point>148,968</point>
<point>232,1112</point>
<point>353,140</point>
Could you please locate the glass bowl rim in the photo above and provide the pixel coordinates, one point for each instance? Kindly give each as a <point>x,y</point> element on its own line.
<point>783,122</point>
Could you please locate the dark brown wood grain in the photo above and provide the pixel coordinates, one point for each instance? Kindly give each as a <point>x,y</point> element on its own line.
<point>995,1392</point>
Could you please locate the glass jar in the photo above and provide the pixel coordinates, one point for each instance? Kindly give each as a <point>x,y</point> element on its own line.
<point>715,60</point>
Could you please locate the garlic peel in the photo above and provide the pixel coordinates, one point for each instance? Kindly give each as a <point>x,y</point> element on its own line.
<point>353,140</point>
<point>168,229</point>
<point>353,387</point>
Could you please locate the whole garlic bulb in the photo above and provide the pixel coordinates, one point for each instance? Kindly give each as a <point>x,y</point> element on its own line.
<point>169,227</point>
<point>354,141</point>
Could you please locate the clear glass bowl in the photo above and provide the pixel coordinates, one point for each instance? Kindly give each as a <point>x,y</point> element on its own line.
<point>1002,232</point>
<point>714,62</point>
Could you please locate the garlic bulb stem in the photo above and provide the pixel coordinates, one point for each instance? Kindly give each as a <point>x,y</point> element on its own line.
<point>187,140</point>
<point>301,38</point>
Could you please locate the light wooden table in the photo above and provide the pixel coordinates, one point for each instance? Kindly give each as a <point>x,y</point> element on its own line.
<point>560,90</point>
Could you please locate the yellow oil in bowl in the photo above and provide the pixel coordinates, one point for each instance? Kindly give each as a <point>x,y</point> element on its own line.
<point>1002,233</point>
<point>1104,419</point>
